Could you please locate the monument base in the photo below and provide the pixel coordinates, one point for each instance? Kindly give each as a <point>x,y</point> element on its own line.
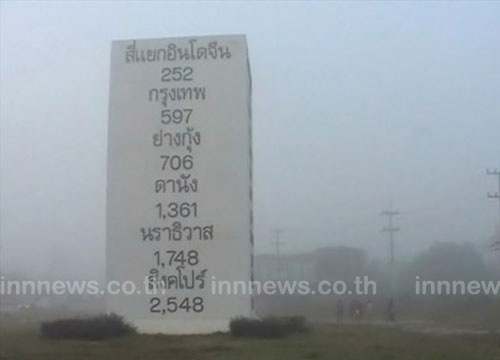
<point>181,327</point>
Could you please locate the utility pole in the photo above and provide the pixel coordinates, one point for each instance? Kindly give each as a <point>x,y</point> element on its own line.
<point>277,232</point>
<point>391,230</point>
<point>496,195</point>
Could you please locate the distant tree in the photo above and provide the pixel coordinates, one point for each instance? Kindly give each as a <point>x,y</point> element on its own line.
<point>449,261</point>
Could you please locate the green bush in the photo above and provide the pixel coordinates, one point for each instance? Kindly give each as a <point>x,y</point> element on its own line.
<point>93,328</point>
<point>270,327</point>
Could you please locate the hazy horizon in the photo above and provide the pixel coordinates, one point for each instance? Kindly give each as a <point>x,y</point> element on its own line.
<point>355,106</point>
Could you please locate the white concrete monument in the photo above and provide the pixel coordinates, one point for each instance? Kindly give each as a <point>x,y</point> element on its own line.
<point>179,196</point>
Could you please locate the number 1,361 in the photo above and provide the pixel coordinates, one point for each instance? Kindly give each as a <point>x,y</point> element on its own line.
<point>175,210</point>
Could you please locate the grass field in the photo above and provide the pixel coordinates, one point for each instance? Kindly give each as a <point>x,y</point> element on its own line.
<point>343,342</point>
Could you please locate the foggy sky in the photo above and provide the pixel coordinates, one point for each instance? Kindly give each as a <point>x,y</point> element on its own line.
<point>355,105</point>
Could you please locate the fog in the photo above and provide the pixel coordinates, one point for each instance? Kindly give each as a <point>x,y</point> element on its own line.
<point>356,106</point>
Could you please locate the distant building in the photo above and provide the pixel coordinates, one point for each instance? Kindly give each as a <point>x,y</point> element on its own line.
<point>340,263</point>
<point>288,267</point>
<point>329,263</point>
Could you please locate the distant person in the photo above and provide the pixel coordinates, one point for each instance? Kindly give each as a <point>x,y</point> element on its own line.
<point>391,311</point>
<point>340,311</point>
<point>351,310</point>
<point>356,310</point>
<point>369,310</point>
<point>369,306</point>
